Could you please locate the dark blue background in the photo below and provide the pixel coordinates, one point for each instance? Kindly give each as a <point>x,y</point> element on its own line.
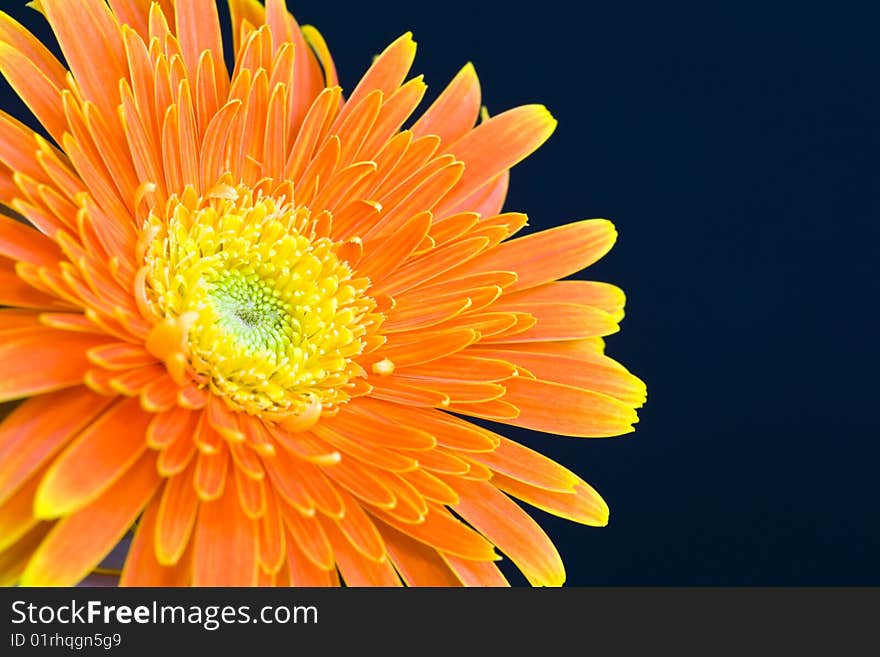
<point>736,149</point>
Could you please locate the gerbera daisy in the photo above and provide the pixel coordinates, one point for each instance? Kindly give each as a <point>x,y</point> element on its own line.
<point>249,314</point>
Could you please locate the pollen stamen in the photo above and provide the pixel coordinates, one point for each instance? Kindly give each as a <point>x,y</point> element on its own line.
<point>265,314</point>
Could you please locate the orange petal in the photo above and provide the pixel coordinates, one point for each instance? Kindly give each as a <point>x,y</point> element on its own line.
<point>515,533</point>
<point>526,465</point>
<point>561,409</point>
<point>62,358</point>
<point>308,79</point>
<point>557,322</point>
<point>497,410</point>
<point>397,391</point>
<point>395,110</point>
<point>443,532</point>
<point>308,533</point>
<point>38,428</point>
<point>356,569</point>
<point>283,472</point>
<point>448,258</point>
<point>251,493</point>
<point>21,242</point>
<point>98,457</point>
<point>590,371</point>
<point>225,544</point>
<point>548,255</point>
<point>313,130</point>
<point>582,504</point>
<point>496,145</point>
<point>160,395</point>
<point>360,530</point>
<point>175,518</point>
<point>430,487</point>
<point>456,109</point>
<point>347,440</point>
<point>488,200</point>
<point>476,573</point>
<point>15,292</point>
<point>305,573</point>
<point>141,566</point>
<point>198,30</point>
<point>360,480</point>
<point>410,507</point>
<point>177,453</point>
<point>89,33</point>
<point>377,424</point>
<point>16,513</point>
<point>417,564</point>
<point>426,346</point>
<point>439,460</point>
<point>272,545</point>
<point>387,72</point>
<point>34,73</point>
<point>383,256</point>
<point>120,356</point>
<point>212,469</point>
<point>14,559</point>
<point>80,541</point>
<point>609,298</point>
<point>166,427</point>
<point>464,367</point>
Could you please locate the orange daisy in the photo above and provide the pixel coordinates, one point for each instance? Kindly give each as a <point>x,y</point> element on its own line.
<point>249,315</point>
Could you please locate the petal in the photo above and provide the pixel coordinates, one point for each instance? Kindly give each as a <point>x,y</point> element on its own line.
<point>16,513</point>
<point>62,358</point>
<point>98,457</point>
<point>488,200</point>
<point>309,535</point>
<point>212,470</point>
<point>39,427</point>
<point>21,242</point>
<point>273,543</point>
<point>417,564</point>
<point>590,371</point>
<point>14,559</point>
<point>80,541</point>
<point>141,566</point>
<point>605,296</point>
<point>548,255</point>
<point>456,109</point>
<point>356,569</point>
<point>303,572</point>
<point>526,465</point>
<point>561,409</point>
<point>510,528</point>
<point>476,573</point>
<point>557,321</point>
<point>175,518</point>
<point>582,504</point>
<point>360,530</point>
<point>15,292</point>
<point>225,544</point>
<point>496,145</point>
<point>198,30</point>
<point>443,532</point>
<point>90,39</point>
<point>387,72</point>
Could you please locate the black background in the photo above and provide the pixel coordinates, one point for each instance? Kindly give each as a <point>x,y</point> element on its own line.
<point>736,149</point>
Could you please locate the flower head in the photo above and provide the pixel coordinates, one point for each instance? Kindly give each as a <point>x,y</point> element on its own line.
<point>248,316</point>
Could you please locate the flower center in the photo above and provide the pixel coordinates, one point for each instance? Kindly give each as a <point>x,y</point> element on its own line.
<point>269,317</point>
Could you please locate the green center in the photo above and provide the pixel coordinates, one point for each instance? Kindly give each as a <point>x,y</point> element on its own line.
<point>251,312</point>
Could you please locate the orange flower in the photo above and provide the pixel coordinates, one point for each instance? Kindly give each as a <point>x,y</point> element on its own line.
<point>248,314</point>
